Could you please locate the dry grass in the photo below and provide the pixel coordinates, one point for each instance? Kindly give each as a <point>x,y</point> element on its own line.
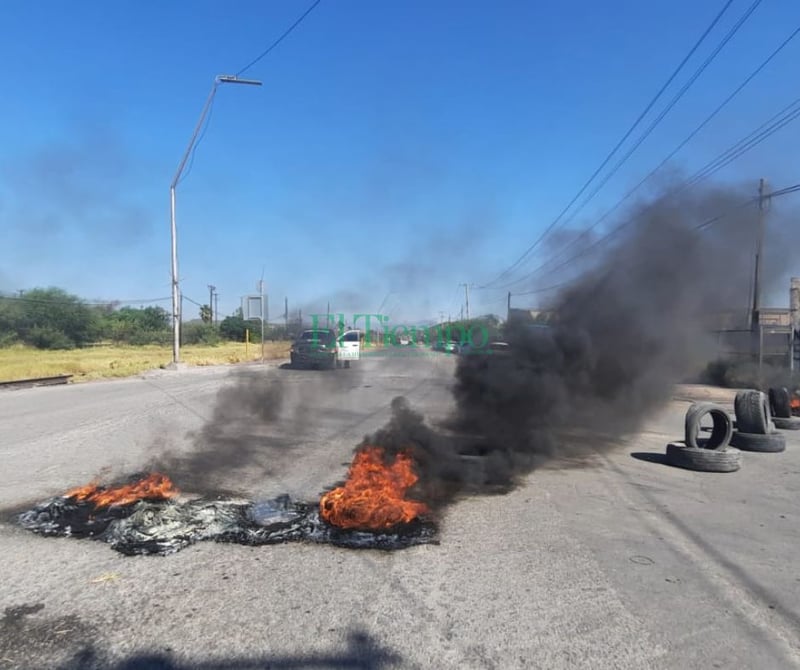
<point>19,362</point>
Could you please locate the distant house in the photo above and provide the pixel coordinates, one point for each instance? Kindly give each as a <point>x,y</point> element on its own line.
<point>527,316</point>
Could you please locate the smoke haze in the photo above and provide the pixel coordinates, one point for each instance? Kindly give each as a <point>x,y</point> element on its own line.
<point>630,322</point>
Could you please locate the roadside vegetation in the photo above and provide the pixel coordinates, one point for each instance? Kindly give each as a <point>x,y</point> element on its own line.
<point>48,332</point>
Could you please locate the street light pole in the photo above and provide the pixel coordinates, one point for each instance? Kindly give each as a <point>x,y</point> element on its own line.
<point>176,313</point>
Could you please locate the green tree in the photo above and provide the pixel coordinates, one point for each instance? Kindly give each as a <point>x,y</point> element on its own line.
<point>148,325</point>
<point>205,313</point>
<point>51,318</point>
<point>233,328</point>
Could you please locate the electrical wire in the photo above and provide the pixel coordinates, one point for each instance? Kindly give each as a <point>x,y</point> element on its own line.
<point>616,148</point>
<point>93,303</point>
<point>742,147</point>
<point>729,155</point>
<point>666,109</point>
<point>784,191</point>
<point>239,73</point>
<point>279,40</point>
<point>795,188</point>
<point>199,140</point>
<point>194,302</point>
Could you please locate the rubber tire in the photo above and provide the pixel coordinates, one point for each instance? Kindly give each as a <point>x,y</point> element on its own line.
<point>771,443</point>
<point>780,403</point>
<point>752,412</point>
<point>703,460</point>
<point>787,423</point>
<point>720,433</point>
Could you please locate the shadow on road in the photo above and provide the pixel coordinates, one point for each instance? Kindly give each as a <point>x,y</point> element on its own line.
<point>362,653</point>
<point>650,457</point>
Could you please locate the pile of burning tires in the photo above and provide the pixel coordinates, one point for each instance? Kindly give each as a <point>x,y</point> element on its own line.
<point>759,419</point>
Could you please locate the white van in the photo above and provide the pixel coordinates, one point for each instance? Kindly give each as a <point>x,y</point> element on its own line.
<point>348,347</point>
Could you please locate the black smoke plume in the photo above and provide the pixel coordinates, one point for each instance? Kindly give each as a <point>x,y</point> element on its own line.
<point>258,423</point>
<point>631,321</point>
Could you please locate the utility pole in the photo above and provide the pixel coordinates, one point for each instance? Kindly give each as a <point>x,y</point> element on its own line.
<point>216,307</point>
<point>177,313</point>
<point>261,293</point>
<point>466,294</point>
<point>508,307</point>
<point>755,318</point>
<point>211,290</point>
<point>794,313</point>
<point>762,199</point>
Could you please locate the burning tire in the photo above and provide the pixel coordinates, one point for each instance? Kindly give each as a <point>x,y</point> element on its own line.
<point>787,423</point>
<point>725,459</point>
<point>721,431</point>
<point>770,442</point>
<point>780,403</point>
<point>752,412</point>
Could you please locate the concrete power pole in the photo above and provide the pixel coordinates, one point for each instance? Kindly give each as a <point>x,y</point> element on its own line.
<point>508,307</point>
<point>466,294</point>
<point>216,307</point>
<point>261,293</point>
<point>212,311</point>
<point>759,252</point>
<point>755,318</point>
<point>794,313</point>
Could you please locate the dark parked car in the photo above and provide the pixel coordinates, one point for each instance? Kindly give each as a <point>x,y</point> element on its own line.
<point>315,348</point>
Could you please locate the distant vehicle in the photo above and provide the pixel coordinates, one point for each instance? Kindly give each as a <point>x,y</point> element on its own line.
<point>452,347</point>
<point>404,340</point>
<point>348,347</point>
<point>315,348</point>
<point>322,348</point>
<point>495,347</point>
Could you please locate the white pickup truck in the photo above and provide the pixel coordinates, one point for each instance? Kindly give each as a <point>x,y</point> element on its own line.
<point>348,347</point>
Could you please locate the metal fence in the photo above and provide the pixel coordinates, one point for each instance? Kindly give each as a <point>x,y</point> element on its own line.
<point>766,345</point>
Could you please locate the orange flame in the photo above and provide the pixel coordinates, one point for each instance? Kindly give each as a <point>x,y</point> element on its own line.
<point>373,497</point>
<point>795,402</point>
<point>153,487</point>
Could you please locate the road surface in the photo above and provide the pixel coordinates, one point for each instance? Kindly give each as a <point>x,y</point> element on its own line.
<point>621,563</point>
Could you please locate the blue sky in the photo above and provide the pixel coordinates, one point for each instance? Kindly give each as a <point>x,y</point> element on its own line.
<point>396,149</point>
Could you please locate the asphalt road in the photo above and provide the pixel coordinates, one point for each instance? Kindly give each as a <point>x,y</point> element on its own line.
<point>623,562</point>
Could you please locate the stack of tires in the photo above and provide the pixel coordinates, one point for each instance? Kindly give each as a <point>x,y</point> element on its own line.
<point>755,428</point>
<point>708,454</point>
<point>780,404</point>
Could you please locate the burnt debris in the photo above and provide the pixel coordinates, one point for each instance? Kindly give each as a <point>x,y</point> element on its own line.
<point>165,527</point>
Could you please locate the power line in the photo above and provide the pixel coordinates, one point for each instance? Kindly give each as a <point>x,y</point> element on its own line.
<point>247,67</point>
<point>199,140</point>
<point>743,146</point>
<point>795,188</point>
<point>89,303</point>
<point>683,143</point>
<point>729,155</point>
<point>619,144</point>
<point>279,40</point>
<point>705,224</point>
<point>194,302</point>
<point>667,109</point>
<point>784,191</point>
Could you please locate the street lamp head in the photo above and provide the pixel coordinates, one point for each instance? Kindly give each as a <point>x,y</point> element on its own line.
<point>233,79</point>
